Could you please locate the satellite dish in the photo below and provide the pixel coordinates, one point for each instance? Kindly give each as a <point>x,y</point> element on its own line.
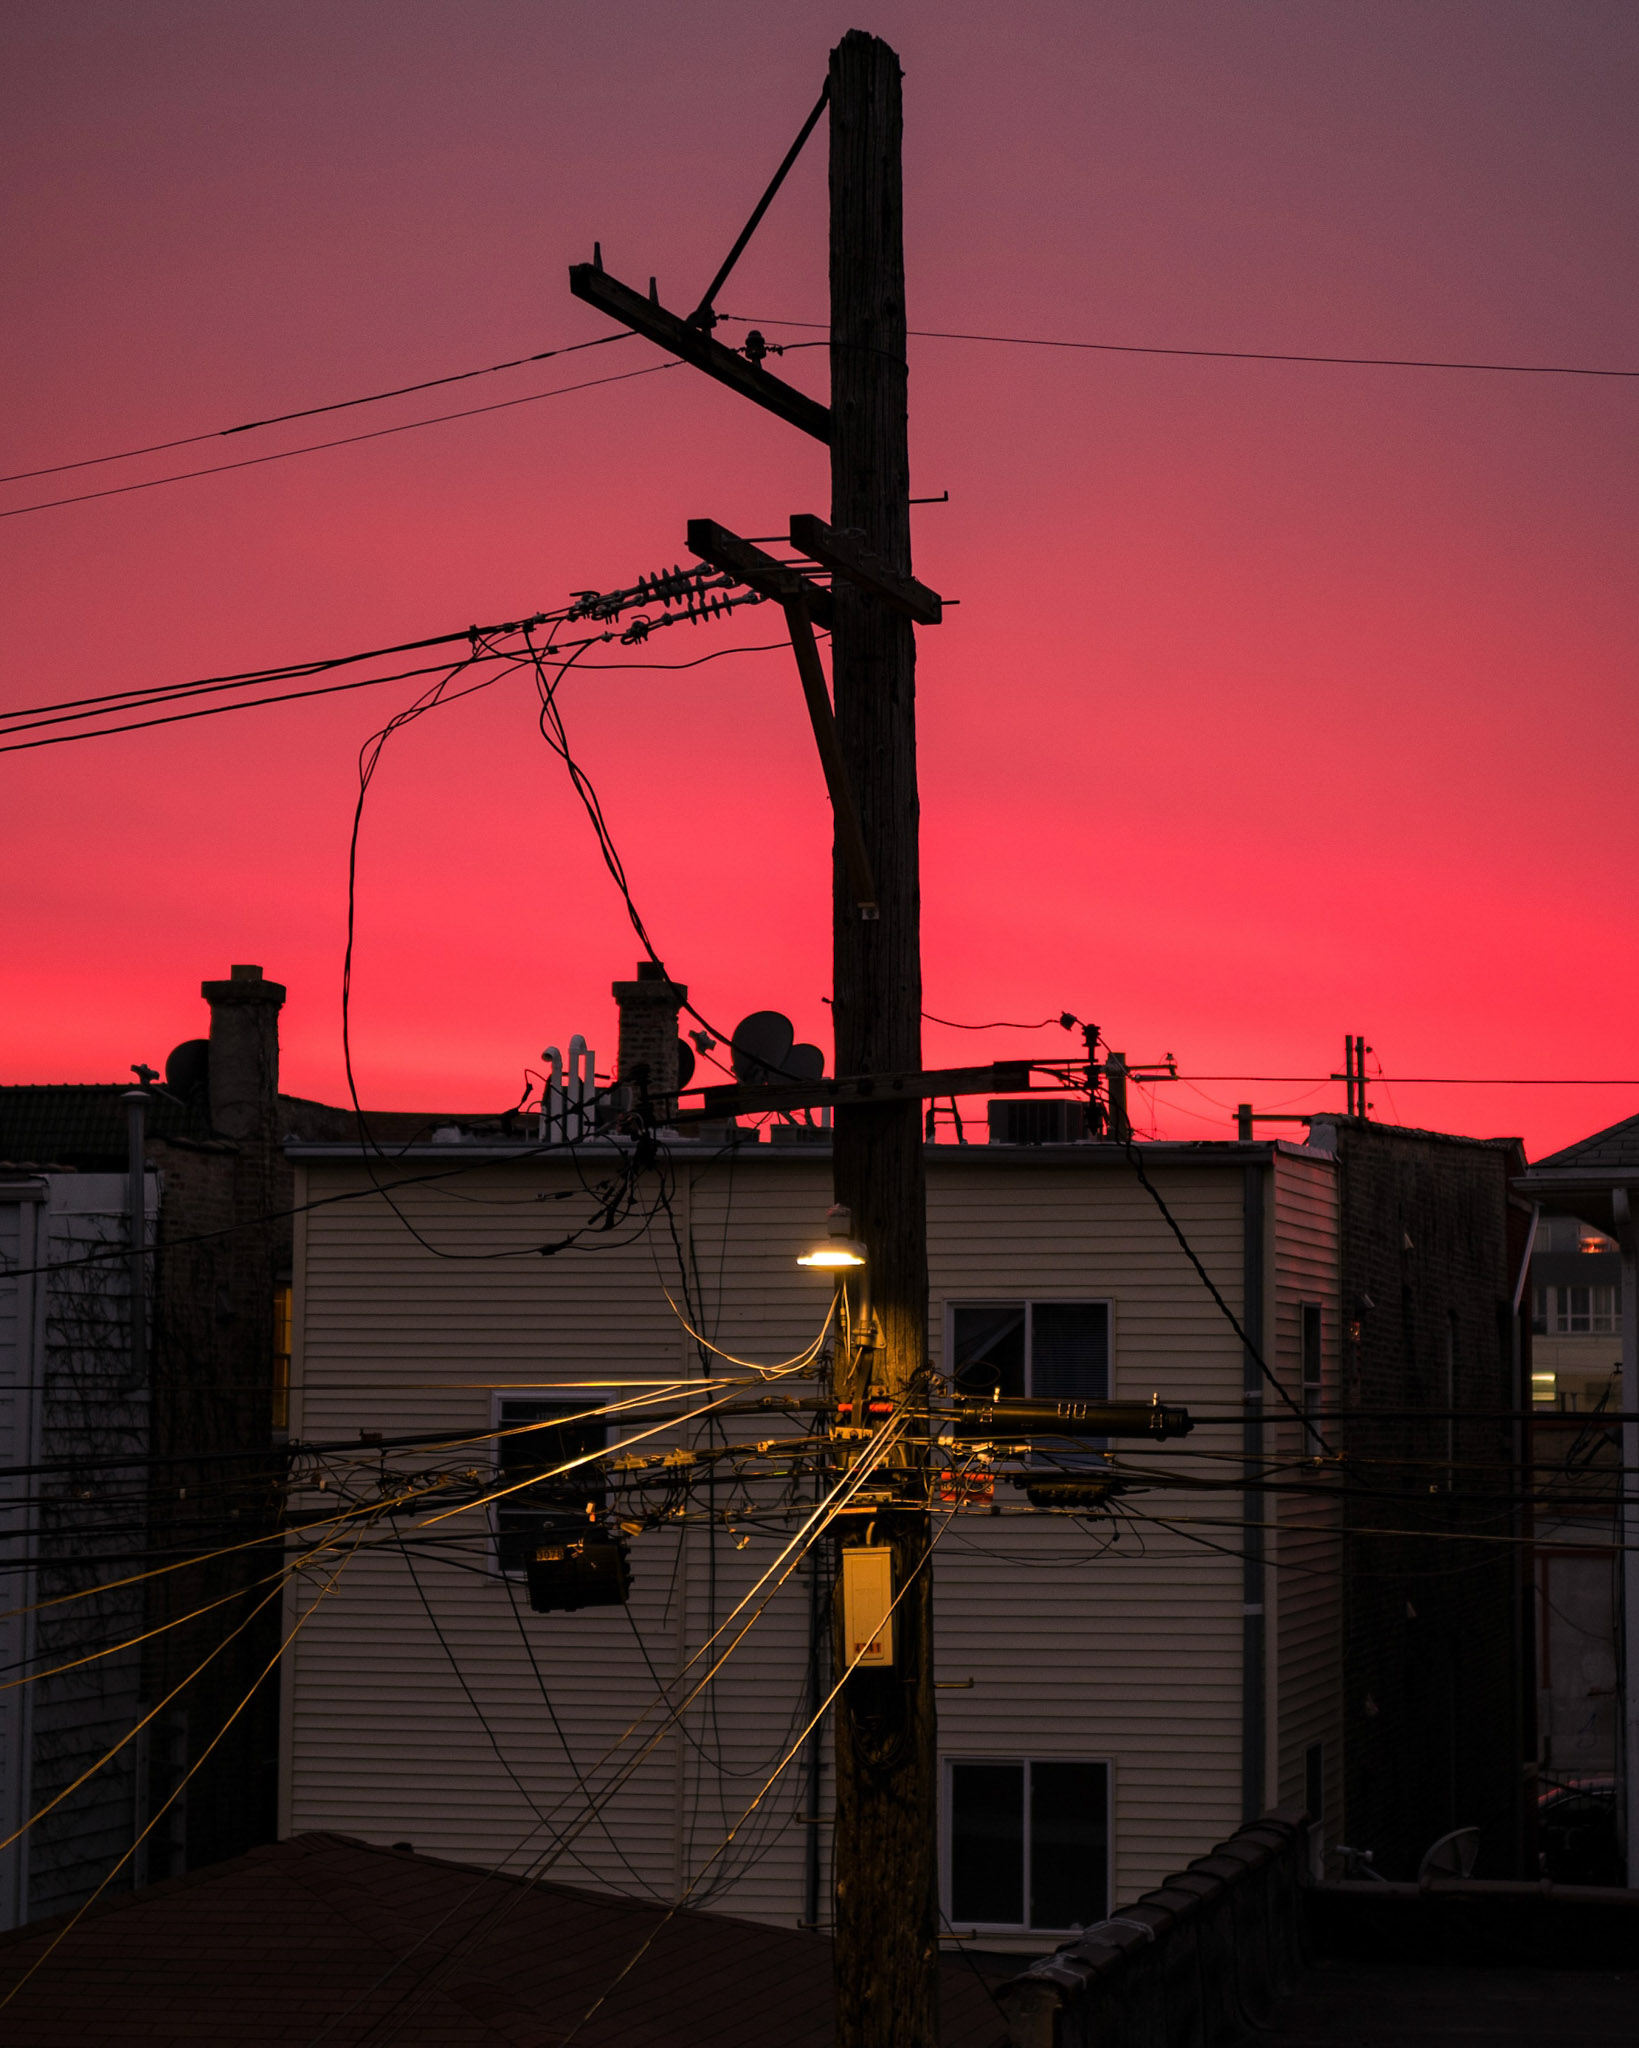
<point>760,1048</point>
<point>685,1063</point>
<point>188,1068</point>
<point>805,1063</point>
<point>1453,1855</point>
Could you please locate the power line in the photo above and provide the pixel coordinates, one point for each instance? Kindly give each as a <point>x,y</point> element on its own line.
<point>1252,1350</point>
<point>762,1793</point>
<point>1431,1080</point>
<point>165,1804</point>
<point>1066,1022</point>
<point>812,1529</point>
<point>183,476</point>
<point>922,333</point>
<point>308,412</point>
<point>1233,355</point>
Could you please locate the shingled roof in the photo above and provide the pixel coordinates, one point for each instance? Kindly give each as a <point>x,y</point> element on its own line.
<point>325,1937</point>
<point>83,1124</point>
<point>1616,1149</point>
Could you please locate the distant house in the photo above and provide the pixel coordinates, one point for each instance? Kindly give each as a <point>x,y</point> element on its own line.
<point>74,1444</point>
<point>196,1426</point>
<point>1586,1455</point>
<point>1576,1316</point>
<point>1118,1687</point>
<point>1437,1642</point>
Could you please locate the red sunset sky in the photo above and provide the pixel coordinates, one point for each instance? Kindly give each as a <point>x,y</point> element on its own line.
<point>1281,701</point>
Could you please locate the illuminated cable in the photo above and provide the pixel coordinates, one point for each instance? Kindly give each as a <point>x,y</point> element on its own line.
<point>165,1805</point>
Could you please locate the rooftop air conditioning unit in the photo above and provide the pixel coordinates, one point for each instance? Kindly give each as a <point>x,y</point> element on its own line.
<point>1038,1123</point>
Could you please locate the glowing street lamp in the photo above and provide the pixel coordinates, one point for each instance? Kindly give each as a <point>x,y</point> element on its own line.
<point>836,1252</point>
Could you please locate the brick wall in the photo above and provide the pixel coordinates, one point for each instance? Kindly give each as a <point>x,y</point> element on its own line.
<point>1432,1651</point>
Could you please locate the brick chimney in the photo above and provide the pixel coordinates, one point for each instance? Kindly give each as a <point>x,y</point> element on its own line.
<point>647,1059</point>
<point>244,1060</point>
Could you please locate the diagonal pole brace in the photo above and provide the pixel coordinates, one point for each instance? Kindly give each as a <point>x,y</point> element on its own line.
<point>704,315</point>
<point>845,812</point>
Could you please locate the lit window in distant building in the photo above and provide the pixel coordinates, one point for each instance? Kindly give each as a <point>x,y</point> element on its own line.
<point>1544,1387</point>
<point>1577,1311</point>
<point>1586,1311</point>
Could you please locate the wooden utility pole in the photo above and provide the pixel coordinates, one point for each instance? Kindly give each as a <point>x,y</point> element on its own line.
<point>886,1830</point>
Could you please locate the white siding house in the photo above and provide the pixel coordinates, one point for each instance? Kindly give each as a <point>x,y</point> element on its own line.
<point>425,1702</point>
<point>68,1397</point>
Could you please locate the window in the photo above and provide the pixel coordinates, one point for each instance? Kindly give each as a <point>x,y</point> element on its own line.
<point>1051,1350</point>
<point>567,1500</point>
<point>1309,1319</point>
<point>1055,1350</point>
<point>1577,1311</point>
<point>1027,1843</point>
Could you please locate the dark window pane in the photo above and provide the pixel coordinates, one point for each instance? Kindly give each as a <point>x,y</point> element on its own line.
<point>987,1845</point>
<point>1070,1361</point>
<point>1070,1351</point>
<point>558,1503</point>
<point>1069,1836</point>
<point>989,1347</point>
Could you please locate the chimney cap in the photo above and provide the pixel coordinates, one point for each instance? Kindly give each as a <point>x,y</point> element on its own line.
<point>651,970</point>
<point>244,974</point>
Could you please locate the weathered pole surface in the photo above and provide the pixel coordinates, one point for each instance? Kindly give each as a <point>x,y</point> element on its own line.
<point>887,1947</point>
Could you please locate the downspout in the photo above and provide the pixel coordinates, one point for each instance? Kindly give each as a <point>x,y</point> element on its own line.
<point>1524,1534</point>
<point>136,1162</point>
<point>814,1761</point>
<point>1254,1568</point>
<point>1628,1761</point>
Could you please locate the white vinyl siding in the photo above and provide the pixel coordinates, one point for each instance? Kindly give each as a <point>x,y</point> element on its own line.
<point>1118,1641</point>
<point>1306,1554</point>
<point>1078,1645</point>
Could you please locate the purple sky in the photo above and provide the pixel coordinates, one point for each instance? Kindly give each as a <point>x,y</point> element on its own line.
<point>1281,700</point>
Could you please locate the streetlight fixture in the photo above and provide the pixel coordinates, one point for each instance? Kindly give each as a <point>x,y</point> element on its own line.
<point>837,1251</point>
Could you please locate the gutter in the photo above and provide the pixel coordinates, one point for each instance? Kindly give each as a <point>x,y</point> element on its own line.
<point>1254,1567</point>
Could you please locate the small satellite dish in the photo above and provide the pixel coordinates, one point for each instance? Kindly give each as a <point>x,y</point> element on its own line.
<point>760,1048</point>
<point>805,1063</point>
<point>685,1063</point>
<point>1453,1855</point>
<point>188,1068</point>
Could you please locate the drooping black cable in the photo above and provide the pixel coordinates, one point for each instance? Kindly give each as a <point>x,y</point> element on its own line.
<point>309,412</point>
<point>1230,355</point>
<point>1207,1281</point>
<point>440,419</point>
<point>1001,1024</point>
<point>554,732</point>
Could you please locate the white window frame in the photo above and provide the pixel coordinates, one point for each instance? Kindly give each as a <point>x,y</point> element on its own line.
<point>1065,1456</point>
<point>1029,1303</point>
<point>1554,1312</point>
<point>947,1838</point>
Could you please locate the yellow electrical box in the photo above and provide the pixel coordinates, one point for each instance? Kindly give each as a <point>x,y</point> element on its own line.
<point>867,1603</point>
